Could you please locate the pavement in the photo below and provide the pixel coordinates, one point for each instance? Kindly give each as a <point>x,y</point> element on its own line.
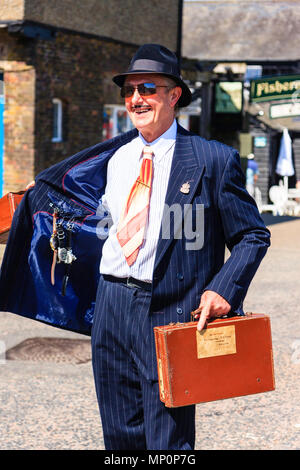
<point>50,404</point>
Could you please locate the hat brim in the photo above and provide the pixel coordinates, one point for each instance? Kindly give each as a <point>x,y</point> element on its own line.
<point>185,98</point>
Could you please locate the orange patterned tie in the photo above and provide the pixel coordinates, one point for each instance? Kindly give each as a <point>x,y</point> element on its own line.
<point>133,220</point>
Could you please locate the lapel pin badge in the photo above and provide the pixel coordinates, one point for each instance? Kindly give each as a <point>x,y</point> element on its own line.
<point>185,188</point>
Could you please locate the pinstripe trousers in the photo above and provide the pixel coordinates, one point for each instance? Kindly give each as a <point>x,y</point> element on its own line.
<point>123,356</point>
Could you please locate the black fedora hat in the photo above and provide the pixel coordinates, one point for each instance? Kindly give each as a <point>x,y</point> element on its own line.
<point>154,58</point>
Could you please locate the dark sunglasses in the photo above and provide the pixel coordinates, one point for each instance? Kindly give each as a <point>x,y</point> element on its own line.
<point>144,89</point>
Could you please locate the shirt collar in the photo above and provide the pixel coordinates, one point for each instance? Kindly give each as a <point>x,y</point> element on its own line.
<point>163,143</point>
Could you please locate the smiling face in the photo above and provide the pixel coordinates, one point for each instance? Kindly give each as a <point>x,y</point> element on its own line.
<point>152,115</point>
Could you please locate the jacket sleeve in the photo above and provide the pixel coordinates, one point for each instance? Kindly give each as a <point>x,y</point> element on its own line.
<point>245,233</point>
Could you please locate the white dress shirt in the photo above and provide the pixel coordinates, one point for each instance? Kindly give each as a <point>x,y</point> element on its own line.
<point>123,169</point>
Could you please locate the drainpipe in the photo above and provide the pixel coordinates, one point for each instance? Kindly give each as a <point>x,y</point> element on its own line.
<point>179,32</point>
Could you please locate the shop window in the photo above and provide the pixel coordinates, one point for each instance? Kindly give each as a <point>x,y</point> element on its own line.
<point>57,120</point>
<point>115,121</point>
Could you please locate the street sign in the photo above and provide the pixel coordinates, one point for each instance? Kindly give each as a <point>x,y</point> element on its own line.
<point>274,88</point>
<point>260,141</point>
<point>284,110</point>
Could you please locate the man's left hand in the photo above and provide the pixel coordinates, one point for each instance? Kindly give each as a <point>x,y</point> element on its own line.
<point>212,305</point>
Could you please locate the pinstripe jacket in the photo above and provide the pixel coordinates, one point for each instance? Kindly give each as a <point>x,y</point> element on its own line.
<point>75,186</point>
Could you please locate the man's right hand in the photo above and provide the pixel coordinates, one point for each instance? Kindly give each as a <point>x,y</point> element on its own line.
<point>212,305</point>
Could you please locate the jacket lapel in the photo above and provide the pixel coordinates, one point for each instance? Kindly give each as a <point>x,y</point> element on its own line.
<point>185,169</point>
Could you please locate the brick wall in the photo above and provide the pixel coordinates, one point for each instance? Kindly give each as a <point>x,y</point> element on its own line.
<point>74,68</point>
<point>11,10</point>
<point>19,127</point>
<point>77,70</point>
<point>19,89</point>
<point>133,21</point>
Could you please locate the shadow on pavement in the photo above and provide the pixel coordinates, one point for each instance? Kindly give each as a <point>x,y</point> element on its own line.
<point>270,219</point>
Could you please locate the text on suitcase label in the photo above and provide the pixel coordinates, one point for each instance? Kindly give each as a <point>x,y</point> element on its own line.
<point>216,341</point>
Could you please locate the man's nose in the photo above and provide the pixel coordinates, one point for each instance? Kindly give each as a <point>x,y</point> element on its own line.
<point>136,97</point>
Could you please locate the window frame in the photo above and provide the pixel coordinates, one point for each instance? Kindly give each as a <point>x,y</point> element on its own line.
<point>59,120</point>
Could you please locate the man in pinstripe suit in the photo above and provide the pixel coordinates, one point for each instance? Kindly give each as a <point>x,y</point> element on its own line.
<point>167,280</point>
<point>126,312</point>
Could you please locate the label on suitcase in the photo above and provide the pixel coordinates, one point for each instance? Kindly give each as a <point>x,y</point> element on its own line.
<point>231,357</point>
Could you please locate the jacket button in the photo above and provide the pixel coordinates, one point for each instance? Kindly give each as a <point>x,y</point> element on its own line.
<point>179,311</point>
<point>179,276</point>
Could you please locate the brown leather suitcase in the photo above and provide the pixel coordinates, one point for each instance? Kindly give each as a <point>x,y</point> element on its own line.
<point>231,357</point>
<point>8,205</point>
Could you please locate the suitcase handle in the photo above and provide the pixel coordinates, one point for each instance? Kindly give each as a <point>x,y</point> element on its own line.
<point>231,314</point>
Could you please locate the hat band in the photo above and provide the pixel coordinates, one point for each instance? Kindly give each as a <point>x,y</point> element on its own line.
<point>152,66</point>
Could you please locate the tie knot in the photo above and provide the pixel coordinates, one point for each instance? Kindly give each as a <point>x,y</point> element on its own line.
<point>147,151</point>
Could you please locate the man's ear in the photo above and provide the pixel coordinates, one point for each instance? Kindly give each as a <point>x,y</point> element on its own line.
<point>176,93</point>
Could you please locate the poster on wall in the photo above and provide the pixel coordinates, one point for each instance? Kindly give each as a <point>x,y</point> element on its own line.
<point>228,97</point>
<point>115,121</point>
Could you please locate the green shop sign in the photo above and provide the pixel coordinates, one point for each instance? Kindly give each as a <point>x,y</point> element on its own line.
<point>275,88</point>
